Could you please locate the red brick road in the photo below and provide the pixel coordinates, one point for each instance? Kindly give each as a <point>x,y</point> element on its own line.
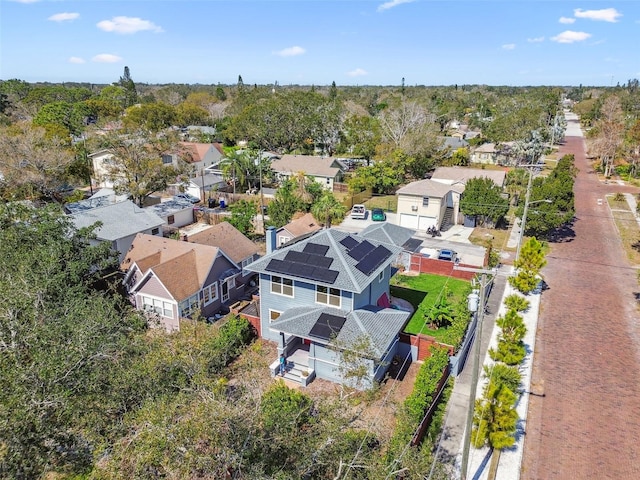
<point>587,358</point>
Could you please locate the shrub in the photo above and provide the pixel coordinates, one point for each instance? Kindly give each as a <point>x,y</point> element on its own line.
<point>517,303</point>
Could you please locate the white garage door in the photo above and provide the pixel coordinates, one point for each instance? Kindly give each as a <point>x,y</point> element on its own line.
<point>408,221</point>
<point>426,222</point>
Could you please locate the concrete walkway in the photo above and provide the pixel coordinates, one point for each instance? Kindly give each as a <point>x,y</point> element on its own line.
<point>452,443</point>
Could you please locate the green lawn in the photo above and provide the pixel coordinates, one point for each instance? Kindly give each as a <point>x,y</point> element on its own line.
<point>422,292</point>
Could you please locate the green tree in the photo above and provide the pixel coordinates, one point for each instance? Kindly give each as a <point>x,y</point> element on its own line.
<point>285,205</point>
<point>328,210</point>
<point>242,214</point>
<point>528,266</point>
<point>153,117</point>
<point>64,344</point>
<point>495,418</point>
<point>136,168</point>
<point>360,136</point>
<point>70,116</point>
<point>190,114</point>
<point>381,177</point>
<point>130,94</point>
<point>516,302</point>
<point>483,200</point>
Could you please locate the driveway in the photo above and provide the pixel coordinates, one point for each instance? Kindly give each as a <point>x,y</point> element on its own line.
<point>584,419</point>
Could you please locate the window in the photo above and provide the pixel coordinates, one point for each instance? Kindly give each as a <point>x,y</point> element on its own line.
<point>166,159</point>
<point>188,306</point>
<point>171,219</point>
<point>328,296</point>
<point>155,231</point>
<point>425,201</point>
<point>226,286</point>
<point>282,286</point>
<point>158,306</point>
<point>210,293</point>
<point>245,263</point>
<point>273,315</point>
<point>381,276</point>
<point>282,240</point>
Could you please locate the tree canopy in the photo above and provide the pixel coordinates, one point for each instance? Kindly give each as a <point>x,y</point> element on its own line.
<point>483,200</point>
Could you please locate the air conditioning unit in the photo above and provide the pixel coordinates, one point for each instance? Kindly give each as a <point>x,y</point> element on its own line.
<point>414,208</point>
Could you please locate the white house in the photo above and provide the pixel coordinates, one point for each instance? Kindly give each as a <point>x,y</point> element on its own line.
<point>324,170</point>
<point>428,203</point>
<point>176,213</point>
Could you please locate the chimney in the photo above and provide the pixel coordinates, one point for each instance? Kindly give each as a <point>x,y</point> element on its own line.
<point>271,239</point>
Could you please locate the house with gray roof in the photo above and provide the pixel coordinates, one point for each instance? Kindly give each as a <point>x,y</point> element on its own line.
<point>461,175</point>
<point>326,293</point>
<point>120,223</point>
<point>324,170</point>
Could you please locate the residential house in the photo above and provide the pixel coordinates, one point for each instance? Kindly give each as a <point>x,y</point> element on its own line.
<point>236,246</point>
<point>202,186</point>
<point>427,204</point>
<point>493,154</point>
<point>323,294</point>
<point>176,213</point>
<point>295,228</point>
<point>324,170</point>
<point>173,279</point>
<point>100,162</point>
<point>198,155</point>
<point>121,222</point>
<point>386,232</point>
<point>461,175</point>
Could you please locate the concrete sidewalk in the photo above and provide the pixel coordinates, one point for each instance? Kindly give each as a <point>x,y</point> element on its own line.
<point>451,445</point>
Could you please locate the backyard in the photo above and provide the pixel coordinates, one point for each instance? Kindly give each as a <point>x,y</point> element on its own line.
<point>424,291</point>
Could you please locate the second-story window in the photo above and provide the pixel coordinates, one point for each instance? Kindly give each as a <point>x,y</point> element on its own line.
<point>282,286</point>
<point>328,296</point>
<point>425,201</point>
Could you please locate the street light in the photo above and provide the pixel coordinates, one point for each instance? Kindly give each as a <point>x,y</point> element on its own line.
<point>259,165</point>
<point>477,302</point>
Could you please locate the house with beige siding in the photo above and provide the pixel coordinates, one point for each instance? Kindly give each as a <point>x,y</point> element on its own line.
<point>427,203</point>
<point>296,228</point>
<point>324,170</point>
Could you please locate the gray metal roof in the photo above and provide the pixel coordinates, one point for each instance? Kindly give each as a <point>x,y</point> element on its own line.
<point>349,277</point>
<point>119,220</point>
<point>381,325</point>
<point>386,232</point>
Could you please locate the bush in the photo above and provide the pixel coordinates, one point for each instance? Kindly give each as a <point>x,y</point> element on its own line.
<point>517,303</point>
<point>233,336</point>
<point>509,353</point>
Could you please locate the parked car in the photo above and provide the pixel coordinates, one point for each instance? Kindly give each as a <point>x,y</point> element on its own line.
<point>378,215</point>
<point>448,255</point>
<point>187,196</point>
<point>359,212</point>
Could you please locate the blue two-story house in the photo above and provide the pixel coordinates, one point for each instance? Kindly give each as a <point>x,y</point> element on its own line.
<point>325,293</point>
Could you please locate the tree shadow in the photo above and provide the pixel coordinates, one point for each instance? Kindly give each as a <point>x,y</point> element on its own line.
<point>563,234</point>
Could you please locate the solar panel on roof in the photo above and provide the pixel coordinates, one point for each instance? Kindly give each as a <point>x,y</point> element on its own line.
<point>315,248</point>
<point>309,259</point>
<point>373,260</point>
<point>349,242</point>
<point>327,326</point>
<point>307,271</point>
<point>359,252</point>
<point>412,244</point>
<point>280,266</point>
<point>325,275</point>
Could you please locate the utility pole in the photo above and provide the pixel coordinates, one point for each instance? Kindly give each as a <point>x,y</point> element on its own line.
<point>484,283</point>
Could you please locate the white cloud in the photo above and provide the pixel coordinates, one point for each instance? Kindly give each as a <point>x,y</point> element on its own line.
<point>509,46</point>
<point>62,17</point>
<point>358,72</point>
<point>128,25</point>
<point>106,58</point>
<point>535,40</point>
<point>569,36</point>
<point>76,60</point>
<point>290,52</point>
<point>567,20</point>
<point>604,15</point>
<point>391,4</point>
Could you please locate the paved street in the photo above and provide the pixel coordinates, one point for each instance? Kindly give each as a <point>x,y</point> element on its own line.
<point>587,356</point>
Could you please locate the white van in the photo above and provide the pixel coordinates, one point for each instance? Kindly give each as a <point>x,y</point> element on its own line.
<point>359,212</point>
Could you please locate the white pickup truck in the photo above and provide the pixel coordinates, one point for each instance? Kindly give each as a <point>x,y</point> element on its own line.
<point>359,212</point>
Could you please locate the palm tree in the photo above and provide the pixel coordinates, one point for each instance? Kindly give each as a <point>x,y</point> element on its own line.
<point>301,186</point>
<point>328,209</point>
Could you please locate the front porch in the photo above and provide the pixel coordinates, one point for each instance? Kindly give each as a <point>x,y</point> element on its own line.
<point>297,364</point>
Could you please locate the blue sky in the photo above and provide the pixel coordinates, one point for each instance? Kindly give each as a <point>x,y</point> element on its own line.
<point>364,42</point>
